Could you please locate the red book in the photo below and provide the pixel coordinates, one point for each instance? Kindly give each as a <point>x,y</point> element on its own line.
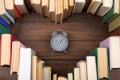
<point>11,8</point>
<point>115,32</point>
<point>6,49</point>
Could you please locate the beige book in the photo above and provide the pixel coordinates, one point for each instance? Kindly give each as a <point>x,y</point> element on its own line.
<point>106,6</point>
<point>102,63</point>
<point>9,5</point>
<point>94,5</point>
<point>54,76</point>
<point>2,13</point>
<point>70,76</point>
<point>65,8</point>
<point>91,68</point>
<point>45,7</point>
<point>71,5</point>
<point>34,67</point>
<point>40,65</point>
<point>59,11</point>
<point>52,10</point>
<point>36,4</point>
<point>16,45</point>
<point>82,65</point>
<point>79,5</point>
<point>62,78</point>
<point>5,49</point>
<point>76,73</point>
<point>47,73</point>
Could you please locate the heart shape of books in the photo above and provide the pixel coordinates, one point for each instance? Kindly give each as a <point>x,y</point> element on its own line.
<point>96,65</point>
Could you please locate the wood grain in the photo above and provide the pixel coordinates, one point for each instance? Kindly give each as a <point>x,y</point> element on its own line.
<point>85,31</point>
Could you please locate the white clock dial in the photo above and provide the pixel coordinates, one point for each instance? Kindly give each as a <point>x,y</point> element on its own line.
<point>59,42</point>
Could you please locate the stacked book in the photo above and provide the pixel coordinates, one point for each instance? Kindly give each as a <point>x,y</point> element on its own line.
<point>9,11</point>
<point>109,10</point>
<point>22,60</point>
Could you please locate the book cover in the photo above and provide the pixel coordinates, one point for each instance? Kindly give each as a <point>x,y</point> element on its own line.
<point>6,48</point>
<point>3,29</point>
<point>16,45</point>
<point>114,24</point>
<point>105,7</point>
<point>20,5</point>
<point>94,5</point>
<point>4,23</point>
<point>91,69</point>
<point>113,13</point>
<point>82,65</point>
<point>112,43</point>
<point>25,63</point>
<point>102,62</point>
<point>40,71</point>
<point>47,73</point>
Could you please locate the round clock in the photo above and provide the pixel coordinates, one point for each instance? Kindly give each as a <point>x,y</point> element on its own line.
<point>59,41</point>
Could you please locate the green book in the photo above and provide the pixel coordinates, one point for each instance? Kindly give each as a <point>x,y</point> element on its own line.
<point>3,29</point>
<point>102,62</point>
<point>113,13</point>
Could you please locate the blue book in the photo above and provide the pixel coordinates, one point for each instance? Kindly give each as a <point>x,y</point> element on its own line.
<point>4,23</point>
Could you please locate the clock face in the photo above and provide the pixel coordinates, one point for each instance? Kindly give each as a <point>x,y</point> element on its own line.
<point>59,42</point>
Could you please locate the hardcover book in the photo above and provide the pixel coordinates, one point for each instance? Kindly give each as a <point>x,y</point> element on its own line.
<point>113,45</point>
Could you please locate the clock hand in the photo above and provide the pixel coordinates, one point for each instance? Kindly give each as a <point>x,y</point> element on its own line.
<point>61,40</point>
<point>58,43</point>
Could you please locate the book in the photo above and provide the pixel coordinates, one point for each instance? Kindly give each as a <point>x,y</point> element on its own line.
<point>54,76</point>
<point>45,9</point>
<point>20,4</point>
<point>91,68</point>
<point>71,6</point>
<point>59,11</point>
<point>6,49</point>
<point>65,8</point>
<point>25,65</point>
<point>102,62</point>
<point>4,23</point>
<point>28,6</point>
<point>36,4</point>
<point>11,8</point>
<point>3,29</point>
<point>79,5</point>
<point>16,45</point>
<point>70,76</point>
<point>40,69</point>
<point>93,6</point>
<point>62,78</point>
<point>115,32</point>
<point>47,73</point>
<point>5,14</point>
<point>34,68</point>
<point>76,73</point>
<point>105,7</point>
<point>82,65</point>
<point>112,43</point>
<point>52,10</point>
<point>113,13</point>
<point>114,24</point>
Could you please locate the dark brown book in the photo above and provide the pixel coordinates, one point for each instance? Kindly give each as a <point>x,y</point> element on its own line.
<point>115,32</point>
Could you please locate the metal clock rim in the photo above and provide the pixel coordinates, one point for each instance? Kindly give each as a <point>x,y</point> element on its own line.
<point>51,42</point>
